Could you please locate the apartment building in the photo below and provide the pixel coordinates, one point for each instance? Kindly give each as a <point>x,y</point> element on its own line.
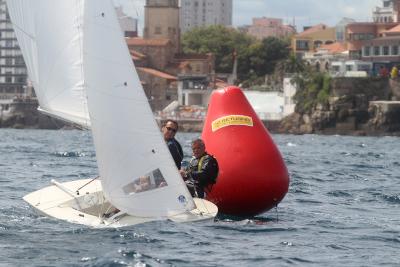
<point>197,13</point>
<point>13,72</point>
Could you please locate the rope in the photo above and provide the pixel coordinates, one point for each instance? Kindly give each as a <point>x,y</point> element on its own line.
<point>77,190</point>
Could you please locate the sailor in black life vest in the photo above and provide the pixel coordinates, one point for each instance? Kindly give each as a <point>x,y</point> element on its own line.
<point>169,129</point>
<point>202,171</point>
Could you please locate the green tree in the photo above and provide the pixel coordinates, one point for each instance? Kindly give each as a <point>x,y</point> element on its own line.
<point>220,41</point>
<point>312,88</point>
<point>255,58</point>
<point>291,65</point>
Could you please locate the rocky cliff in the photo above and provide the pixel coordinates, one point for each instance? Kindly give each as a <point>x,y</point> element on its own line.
<point>355,106</point>
<point>23,113</point>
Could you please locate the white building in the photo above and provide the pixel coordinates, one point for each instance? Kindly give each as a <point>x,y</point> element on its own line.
<point>289,91</point>
<point>13,72</point>
<point>389,12</point>
<point>197,13</point>
<point>267,105</point>
<point>351,68</point>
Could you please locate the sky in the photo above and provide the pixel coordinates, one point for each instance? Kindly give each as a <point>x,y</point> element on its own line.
<point>302,12</point>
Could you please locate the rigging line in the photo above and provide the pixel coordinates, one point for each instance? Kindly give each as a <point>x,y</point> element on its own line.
<point>24,32</point>
<point>77,190</point>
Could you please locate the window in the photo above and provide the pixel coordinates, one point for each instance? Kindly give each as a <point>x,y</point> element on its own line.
<point>367,52</point>
<point>19,61</point>
<point>8,78</point>
<point>21,80</point>
<point>318,43</point>
<point>147,182</point>
<point>377,51</point>
<point>157,30</point>
<point>300,44</point>
<point>386,50</point>
<point>395,50</point>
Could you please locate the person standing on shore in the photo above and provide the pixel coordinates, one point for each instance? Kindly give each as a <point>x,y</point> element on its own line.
<point>169,129</point>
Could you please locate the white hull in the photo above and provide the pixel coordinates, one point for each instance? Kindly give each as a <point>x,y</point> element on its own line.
<point>88,206</point>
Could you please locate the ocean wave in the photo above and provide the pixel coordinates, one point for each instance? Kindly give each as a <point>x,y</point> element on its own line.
<point>70,154</point>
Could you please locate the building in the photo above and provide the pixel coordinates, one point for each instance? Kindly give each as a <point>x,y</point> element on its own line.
<point>361,33</point>
<point>161,21</point>
<point>383,51</point>
<point>197,13</point>
<point>312,38</point>
<point>158,57</point>
<point>389,12</point>
<point>129,25</point>
<point>322,58</point>
<point>13,72</point>
<point>268,105</point>
<point>340,29</point>
<point>270,27</point>
<point>194,90</point>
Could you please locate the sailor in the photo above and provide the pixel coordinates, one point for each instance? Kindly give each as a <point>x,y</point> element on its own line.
<point>169,129</point>
<point>202,171</point>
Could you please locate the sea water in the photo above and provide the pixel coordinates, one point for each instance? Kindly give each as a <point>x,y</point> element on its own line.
<point>342,209</point>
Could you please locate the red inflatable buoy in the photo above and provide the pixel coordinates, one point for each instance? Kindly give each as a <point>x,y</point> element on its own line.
<point>253,177</point>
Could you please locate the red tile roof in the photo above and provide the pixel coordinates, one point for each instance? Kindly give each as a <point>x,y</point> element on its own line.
<point>313,29</point>
<point>158,73</point>
<point>334,48</point>
<point>147,42</point>
<point>395,29</point>
<point>135,55</point>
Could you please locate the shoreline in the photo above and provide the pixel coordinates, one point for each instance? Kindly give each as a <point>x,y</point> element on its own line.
<point>23,114</point>
<point>190,126</point>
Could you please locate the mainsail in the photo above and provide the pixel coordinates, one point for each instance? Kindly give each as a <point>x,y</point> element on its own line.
<point>137,172</point>
<point>52,50</point>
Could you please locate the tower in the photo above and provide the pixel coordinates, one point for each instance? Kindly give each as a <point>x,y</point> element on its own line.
<point>161,20</point>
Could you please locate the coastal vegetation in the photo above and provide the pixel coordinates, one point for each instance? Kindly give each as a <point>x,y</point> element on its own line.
<point>313,88</point>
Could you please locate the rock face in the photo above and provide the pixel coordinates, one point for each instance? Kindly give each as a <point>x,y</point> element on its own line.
<point>353,109</point>
<point>385,116</point>
<point>23,114</point>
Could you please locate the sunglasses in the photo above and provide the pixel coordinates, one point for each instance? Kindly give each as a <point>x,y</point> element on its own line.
<point>171,129</point>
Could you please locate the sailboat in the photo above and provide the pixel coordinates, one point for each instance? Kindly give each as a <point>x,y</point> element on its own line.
<point>82,72</point>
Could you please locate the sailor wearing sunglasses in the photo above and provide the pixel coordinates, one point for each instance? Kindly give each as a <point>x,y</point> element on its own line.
<point>169,129</point>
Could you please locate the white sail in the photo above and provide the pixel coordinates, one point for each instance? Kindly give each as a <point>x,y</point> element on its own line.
<point>137,172</point>
<point>52,49</point>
